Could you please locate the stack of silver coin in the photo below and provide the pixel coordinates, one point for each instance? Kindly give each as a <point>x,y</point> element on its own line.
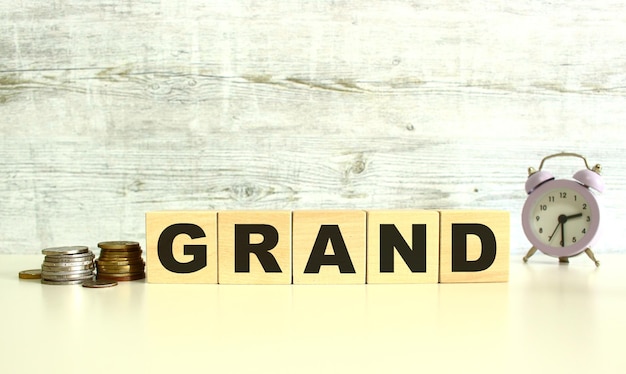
<point>67,265</point>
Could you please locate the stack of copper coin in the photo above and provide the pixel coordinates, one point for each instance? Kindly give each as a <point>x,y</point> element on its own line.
<point>120,261</point>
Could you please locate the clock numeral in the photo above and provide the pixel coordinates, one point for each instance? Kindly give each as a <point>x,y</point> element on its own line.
<point>575,197</point>
<point>537,218</point>
<point>543,207</point>
<point>588,219</point>
<point>584,206</point>
<point>550,199</point>
<point>541,230</point>
<point>563,195</point>
<point>584,231</point>
<point>574,239</point>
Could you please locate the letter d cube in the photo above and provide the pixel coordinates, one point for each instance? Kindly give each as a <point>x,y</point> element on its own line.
<point>474,246</point>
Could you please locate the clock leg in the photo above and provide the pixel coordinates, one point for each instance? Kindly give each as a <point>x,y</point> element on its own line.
<point>563,260</point>
<point>591,256</point>
<point>531,252</point>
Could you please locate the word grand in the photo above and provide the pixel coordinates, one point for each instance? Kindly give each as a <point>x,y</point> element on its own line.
<point>327,246</point>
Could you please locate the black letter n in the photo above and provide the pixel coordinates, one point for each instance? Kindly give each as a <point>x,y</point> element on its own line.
<point>391,238</point>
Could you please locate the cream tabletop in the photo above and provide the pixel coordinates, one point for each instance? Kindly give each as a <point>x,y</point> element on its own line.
<point>547,318</point>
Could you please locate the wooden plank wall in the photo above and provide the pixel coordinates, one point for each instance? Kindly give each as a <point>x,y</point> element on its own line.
<point>112,108</point>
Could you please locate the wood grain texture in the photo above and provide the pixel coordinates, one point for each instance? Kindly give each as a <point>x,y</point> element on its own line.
<point>111,109</point>
<point>204,262</point>
<point>329,247</point>
<point>275,250</point>
<point>473,246</point>
<point>405,268</point>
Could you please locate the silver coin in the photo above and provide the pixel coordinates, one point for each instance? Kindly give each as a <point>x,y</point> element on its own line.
<point>67,268</point>
<point>78,253</point>
<point>70,258</point>
<point>67,272</point>
<point>67,264</point>
<point>70,250</point>
<point>53,275</point>
<point>66,277</point>
<point>60,283</point>
<point>85,261</point>
<point>67,280</point>
<point>85,279</point>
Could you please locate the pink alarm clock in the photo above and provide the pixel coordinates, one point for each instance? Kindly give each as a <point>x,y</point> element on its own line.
<point>561,217</point>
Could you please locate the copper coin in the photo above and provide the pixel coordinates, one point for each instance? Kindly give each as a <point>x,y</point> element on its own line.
<point>119,245</point>
<point>122,277</point>
<point>30,274</point>
<point>99,283</point>
<point>121,268</point>
<point>120,262</point>
<point>119,276</point>
<point>136,253</point>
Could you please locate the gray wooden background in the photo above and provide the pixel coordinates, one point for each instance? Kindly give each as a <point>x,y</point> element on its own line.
<point>112,108</point>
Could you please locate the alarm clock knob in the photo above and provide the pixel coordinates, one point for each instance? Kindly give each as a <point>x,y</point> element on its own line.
<point>591,178</point>
<point>536,179</point>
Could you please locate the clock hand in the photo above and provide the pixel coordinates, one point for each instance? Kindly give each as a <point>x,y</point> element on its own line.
<point>562,219</point>
<point>554,232</point>
<point>574,216</point>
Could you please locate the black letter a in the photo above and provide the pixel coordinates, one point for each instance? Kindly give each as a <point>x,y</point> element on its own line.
<point>318,257</point>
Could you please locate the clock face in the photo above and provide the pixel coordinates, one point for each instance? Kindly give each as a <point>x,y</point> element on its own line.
<point>561,218</point>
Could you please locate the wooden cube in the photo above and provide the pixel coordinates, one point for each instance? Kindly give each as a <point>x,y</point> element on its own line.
<point>181,247</point>
<point>474,246</point>
<point>402,246</point>
<point>254,247</point>
<point>329,247</point>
